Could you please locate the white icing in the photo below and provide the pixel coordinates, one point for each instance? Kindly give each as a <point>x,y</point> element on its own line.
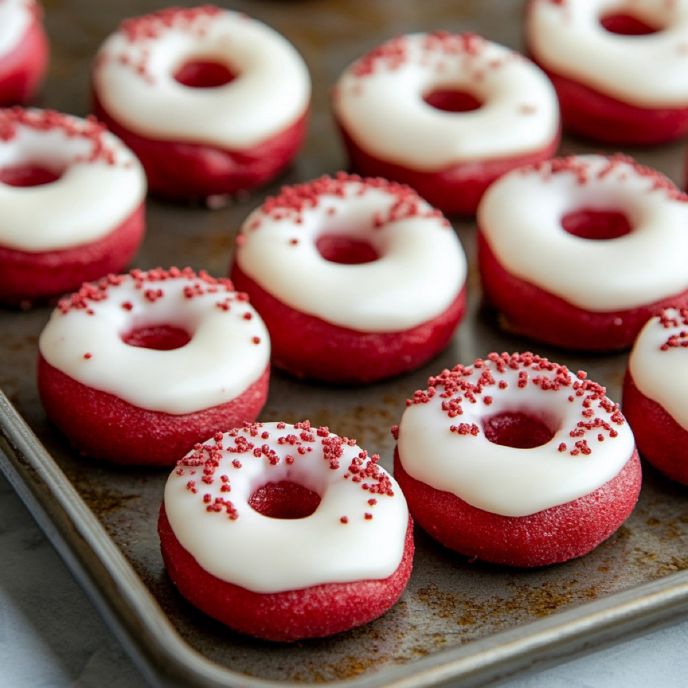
<point>384,112</point>
<point>271,92</point>
<point>506,480</point>
<point>648,71</point>
<point>86,203</point>
<point>520,216</point>
<point>662,375</point>
<point>421,268</point>
<point>218,364</point>
<point>15,18</point>
<point>269,555</point>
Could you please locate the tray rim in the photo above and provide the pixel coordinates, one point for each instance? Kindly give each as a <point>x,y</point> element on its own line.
<point>165,659</point>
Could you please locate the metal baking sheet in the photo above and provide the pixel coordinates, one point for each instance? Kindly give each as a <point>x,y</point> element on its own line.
<point>458,622</point>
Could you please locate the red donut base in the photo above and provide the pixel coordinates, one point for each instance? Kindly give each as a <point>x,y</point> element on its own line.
<point>22,70</point>
<point>106,427</point>
<point>550,536</point>
<point>544,317</point>
<point>314,612</point>
<point>594,115</point>
<point>26,277</point>
<point>309,347</point>
<point>189,171</point>
<point>661,440</point>
<point>455,190</point>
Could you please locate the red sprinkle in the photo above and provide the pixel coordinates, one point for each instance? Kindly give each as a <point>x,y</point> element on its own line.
<point>13,119</point>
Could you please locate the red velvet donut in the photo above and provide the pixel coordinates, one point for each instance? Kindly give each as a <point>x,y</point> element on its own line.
<point>480,451</point>
<point>331,597</point>
<point>442,113</point>
<point>138,368</point>
<point>357,279</point>
<point>24,51</point>
<point>564,261</point>
<point>75,214</point>
<point>654,393</point>
<point>203,127</point>
<point>618,76</point>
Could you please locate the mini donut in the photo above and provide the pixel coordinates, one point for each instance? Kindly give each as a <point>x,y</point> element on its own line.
<point>72,198</point>
<point>655,395</point>
<point>286,532</point>
<point>579,252</point>
<point>138,368</point>
<point>211,101</point>
<point>357,279</point>
<point>23,51</point>
<point>446,114</point>
<point>620,69</point>
<point>517,461</point>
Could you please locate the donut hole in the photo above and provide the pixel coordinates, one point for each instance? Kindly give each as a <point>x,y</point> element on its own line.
<point>285,499</point>
<point>338,248</point>
<point>518,429</point>
<point>589,223</point>
<point>627,24</point>
<point>452,100</point>
<point>204,74</point>
<point>31,174</point>
<point>158,337</point>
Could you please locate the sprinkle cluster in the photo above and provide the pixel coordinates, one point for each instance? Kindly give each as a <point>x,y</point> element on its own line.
<point>480,382</point>
<point>151,26</point>
<point>151,283</point>
<point>293,201</point>
<point>586,171</point>
<point>16,118</point>
<point>394,53</point>
<point>213,462</point>
<point>675,319</point>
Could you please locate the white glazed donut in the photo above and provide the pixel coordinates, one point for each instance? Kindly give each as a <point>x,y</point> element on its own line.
<point>658,362</point>
<point>348,318</point>
<point>100,184</point>
<point>392,131</point>
<point>356,533</point>
<point>568,38</point>
<point>134,78</point>
<point>442,439</point>
<point>72,198</point>
<point>655,394</point>
<point>517,461</point>
<point>228,349</point>
<point>620,67</point>
<point>569,250</point>
<point>521,219</point>
<point>420,270</point>
<point>138,368</point>
<point>286,531</point>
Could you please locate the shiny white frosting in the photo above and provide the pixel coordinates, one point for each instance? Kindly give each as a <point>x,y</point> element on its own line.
<point>89,200</point>
<point>506,480</point>
<point>385,114</point>
<point>421,269</point>
<point>662,375</point>
<point>648,71</point>
<point>219,363</point>
<point>520,216</point>
<point>270,555</point>
<point>271,92</point>
<point>15,19</point>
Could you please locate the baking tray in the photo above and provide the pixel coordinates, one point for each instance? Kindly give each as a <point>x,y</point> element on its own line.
<point>458,623</point>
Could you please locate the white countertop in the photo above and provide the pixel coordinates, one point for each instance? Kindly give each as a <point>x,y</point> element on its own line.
<point>51,636</point>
